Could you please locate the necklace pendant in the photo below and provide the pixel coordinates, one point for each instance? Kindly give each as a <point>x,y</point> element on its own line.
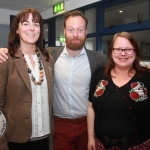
<point>39,83</point>
<point>29,70</point>
<point>35,82</point>
<point>32,78</point>
<point>41,79</point>
<point>40,67</point>
<point>41,72</point>
<point>41,75</point>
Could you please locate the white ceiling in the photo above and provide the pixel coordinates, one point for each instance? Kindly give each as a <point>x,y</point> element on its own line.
<point>18,5</point>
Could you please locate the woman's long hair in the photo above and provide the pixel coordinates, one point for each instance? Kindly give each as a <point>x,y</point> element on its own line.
<point>14,39</point>
<point>140,71</point>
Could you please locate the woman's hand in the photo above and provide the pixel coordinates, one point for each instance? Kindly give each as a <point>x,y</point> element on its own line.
<point>90,127</point>
<point>91,144</point>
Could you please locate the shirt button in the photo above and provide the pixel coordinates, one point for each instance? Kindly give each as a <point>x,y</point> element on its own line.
<point>130,108</point>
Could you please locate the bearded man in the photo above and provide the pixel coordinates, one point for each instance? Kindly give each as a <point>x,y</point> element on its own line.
<point>74,65</point>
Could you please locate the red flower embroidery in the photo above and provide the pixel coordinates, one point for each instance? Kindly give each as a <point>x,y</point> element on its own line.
<point>100,88</point>
<point>138,91</point>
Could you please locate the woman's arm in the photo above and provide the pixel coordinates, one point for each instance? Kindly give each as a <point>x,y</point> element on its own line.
<point>3,85</point>
<point>90,125</point>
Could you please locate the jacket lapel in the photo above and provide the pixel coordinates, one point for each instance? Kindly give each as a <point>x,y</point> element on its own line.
<point>56,53</point>
<point>92,61</point>
<point>48,72</point>
<point>22,69</point>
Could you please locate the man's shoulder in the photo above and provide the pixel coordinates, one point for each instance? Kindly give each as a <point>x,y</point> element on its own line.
<point>96,54</point>
<point>96,59</point>
<point>54,49</point>
<point>55,52</point>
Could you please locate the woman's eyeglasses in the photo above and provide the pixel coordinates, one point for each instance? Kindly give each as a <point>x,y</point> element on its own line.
<point>120,50</point>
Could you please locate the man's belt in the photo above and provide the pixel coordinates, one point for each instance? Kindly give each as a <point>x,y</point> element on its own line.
<point>76,120</point>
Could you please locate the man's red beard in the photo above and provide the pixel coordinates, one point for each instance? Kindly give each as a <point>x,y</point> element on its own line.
<point>75,43</point>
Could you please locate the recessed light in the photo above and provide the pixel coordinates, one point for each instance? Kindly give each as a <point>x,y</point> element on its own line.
<point>120,11</point>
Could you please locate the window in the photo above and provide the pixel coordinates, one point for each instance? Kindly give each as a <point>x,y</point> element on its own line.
<point>46,33</point>
<point>91,16</point>
<point>59,23</point>
<point>142,38</point>
<point>134,11</point>
<point>90,43</point>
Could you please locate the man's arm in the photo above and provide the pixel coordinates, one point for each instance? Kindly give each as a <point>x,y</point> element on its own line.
<point>3,54</point>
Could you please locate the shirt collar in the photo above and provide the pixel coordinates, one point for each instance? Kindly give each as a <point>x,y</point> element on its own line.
<point>81,53</point>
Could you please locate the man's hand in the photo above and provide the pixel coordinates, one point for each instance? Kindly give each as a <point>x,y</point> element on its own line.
<point>3,54</point>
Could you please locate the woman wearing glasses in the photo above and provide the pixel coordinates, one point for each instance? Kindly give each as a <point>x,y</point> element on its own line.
<point>119,100</point>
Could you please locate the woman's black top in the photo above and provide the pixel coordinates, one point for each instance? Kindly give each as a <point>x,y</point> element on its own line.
<point>121,111</point>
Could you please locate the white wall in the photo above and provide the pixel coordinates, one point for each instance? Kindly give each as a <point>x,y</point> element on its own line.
<point>5,16</point>
<point>4,32</point>
<point>72,4</point>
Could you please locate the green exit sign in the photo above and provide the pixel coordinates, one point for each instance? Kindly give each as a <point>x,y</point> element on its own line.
<point>58,8</point>
<point>62,39</point>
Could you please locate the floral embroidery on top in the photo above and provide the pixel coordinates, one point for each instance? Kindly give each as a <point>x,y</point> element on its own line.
<point>138,91</point>
<point>100,88</point>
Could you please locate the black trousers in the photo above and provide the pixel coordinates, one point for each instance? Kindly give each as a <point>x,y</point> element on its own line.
<point>42,144</point>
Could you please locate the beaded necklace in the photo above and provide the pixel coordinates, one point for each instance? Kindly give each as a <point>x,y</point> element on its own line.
<point>41,72</point>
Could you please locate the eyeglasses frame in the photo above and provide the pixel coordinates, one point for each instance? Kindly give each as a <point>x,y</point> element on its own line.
<point>123,49</point>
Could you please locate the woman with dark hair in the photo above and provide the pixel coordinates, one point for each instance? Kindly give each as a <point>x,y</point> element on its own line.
<point>119,100</point>
<point>26,86</point>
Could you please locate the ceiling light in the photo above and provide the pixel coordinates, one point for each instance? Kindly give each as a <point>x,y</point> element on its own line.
<point>120,11</point>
